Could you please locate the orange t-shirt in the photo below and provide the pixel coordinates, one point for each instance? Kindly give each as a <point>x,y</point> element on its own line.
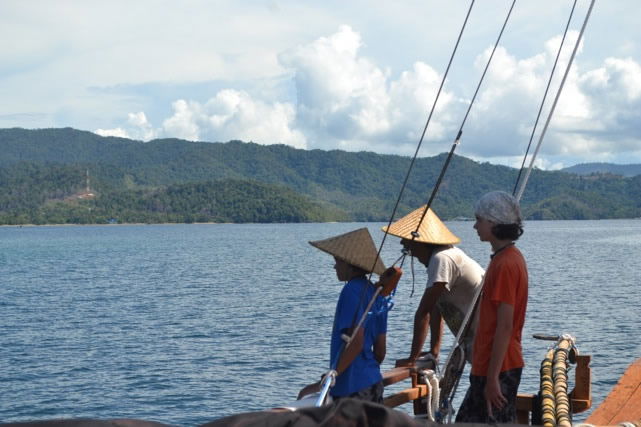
<point>506,281</point>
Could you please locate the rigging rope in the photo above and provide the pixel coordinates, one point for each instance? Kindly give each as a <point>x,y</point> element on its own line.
<point>420,142</point>
<point>418,147</point>
<point>460,131</point>
<point>348,339</point>
<point>447,396</point>
<point>547,88</point>
<point>556,99</point>
<point>445,409</point>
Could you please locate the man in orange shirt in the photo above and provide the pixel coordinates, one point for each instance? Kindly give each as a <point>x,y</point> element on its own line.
<point>497,356</point>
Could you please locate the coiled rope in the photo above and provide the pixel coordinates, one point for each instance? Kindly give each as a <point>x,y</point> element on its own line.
<point>555,401</point>
<point>433,392</point>
<point>548,407</point>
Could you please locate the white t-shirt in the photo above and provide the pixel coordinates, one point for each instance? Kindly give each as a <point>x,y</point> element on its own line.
<point>461,275</point>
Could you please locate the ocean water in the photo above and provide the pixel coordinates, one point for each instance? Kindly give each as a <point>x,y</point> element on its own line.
<point>184,324</point>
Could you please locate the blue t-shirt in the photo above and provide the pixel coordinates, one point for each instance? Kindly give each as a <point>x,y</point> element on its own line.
<point>364,370</point>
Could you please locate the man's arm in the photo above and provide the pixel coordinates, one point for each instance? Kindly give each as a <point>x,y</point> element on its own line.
<point>421,318</point>
<point>350,352</point>
<point>380,348</point>
<point>502,335</point>
<point>436,331</point>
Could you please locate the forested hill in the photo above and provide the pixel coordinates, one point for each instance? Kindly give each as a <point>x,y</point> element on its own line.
<point>43,178</point>
<point>600,168</point>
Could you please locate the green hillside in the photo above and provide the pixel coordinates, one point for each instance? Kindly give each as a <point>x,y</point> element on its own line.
<point>602,168</point>
<point>42,175</point>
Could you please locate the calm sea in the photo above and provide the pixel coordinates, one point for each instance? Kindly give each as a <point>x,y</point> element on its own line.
<point>184,324</point>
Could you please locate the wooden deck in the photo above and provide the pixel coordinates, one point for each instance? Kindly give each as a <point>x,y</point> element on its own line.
<point>624,401</point>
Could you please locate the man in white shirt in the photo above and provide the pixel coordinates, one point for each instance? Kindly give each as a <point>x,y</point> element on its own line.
<point>453,279</point>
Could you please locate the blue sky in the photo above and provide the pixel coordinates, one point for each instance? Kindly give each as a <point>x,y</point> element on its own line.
<point>351,75</point>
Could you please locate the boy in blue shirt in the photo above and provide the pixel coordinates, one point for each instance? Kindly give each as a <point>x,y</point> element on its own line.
<point>357,364</point>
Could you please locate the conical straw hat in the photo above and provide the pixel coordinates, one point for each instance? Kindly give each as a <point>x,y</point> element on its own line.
<point>356,248</point>
<point>432,229</point>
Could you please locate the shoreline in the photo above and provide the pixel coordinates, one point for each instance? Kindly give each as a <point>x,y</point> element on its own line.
<point>246,223</point>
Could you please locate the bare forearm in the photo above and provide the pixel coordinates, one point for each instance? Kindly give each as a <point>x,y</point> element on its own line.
<point>422,317</point>
<point>501,341</point>
<point>350,352</point>
<point>436,331</point>
<point>420,333</point>
<point>380,348</point>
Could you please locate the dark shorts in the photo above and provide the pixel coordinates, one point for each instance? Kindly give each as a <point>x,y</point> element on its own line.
<point>474,407</point>
<point>371,394</point>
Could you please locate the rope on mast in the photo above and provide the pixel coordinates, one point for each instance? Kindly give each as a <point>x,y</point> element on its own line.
<point>420,142</point>
<point>547,88</point>
<point>348,341</point>
<point>447,395</point>
<point>556,99</point>
<point>460,131</point>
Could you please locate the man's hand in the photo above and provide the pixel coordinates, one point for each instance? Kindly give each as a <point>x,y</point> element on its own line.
<point>493,396</point>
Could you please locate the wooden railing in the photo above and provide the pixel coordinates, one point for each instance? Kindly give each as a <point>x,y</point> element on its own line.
<point>580,396</point>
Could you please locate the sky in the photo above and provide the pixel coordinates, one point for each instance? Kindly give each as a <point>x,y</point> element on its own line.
<point>333,74</point>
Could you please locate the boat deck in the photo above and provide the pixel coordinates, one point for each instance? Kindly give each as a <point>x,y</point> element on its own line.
<point>580,396</point>
<point>623,402</point>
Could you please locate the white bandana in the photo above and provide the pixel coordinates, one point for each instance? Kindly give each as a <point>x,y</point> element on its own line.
<point>499,207</point>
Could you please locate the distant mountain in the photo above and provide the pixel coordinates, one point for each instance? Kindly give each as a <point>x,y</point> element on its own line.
<point>590,168</point>
<point>43,180</point>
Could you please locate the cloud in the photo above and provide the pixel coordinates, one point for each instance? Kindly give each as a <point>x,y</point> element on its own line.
<point>358,87</point>
<point>119,132</point>
<point>229,115</point>
<point>597,112</point>
<point>339,96</point>
<point>234,114</point>
<point>344,100</point>
<point>137,128</point>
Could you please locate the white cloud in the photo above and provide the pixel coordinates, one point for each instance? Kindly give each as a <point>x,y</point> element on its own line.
<point>184,123</point>
<point>119,132</point>
<point>228,115</point>
<point>340,96</point>
<point>367,86</point>
<point>234,115</point>
<point>345,100</point>
<point>412,98</point>
<point>137,128</point>
<point>595,109</point>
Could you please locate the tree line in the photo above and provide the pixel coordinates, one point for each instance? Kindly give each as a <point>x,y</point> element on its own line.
<point>42,175</point>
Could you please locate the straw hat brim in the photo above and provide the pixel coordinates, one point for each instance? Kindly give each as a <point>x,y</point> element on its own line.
<point>356,248</point>
<point>431,230</point>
